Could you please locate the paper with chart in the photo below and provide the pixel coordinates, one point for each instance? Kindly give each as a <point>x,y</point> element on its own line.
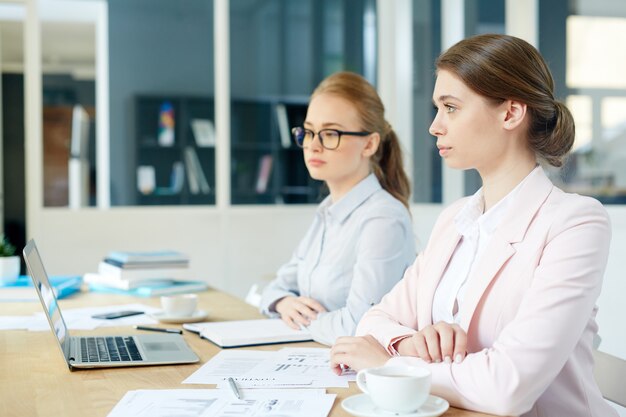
<point>208,403</point>
<point>228,363</point>
<point>299,364</point>
<point>286,368</point>
<point>239,365</point>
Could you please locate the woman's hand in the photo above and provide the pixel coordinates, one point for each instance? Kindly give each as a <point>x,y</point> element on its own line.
<point>438,342</point>
<point>357,353</point>
<point>297,311</point>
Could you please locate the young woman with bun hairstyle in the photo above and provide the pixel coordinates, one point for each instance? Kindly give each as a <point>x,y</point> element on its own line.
<point>501,304</point>
<point>361,239</point>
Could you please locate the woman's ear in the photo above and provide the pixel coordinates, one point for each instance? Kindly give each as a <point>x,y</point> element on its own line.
<point>371,146</point>
<point>515,113</point>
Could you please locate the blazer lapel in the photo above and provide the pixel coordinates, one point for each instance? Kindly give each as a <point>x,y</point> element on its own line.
<point>497,252</point>
<point>432,273</point>
<point>512,229</point>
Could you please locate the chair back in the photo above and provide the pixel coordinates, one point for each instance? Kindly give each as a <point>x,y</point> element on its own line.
<point>610,374</point>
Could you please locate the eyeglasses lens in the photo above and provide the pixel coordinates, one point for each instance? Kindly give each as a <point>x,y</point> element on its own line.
<point>330,139</point>
<point>298,134</point>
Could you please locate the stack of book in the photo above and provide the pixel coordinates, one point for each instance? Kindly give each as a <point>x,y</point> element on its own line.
<point>23,290</point>
<point>143,274</point>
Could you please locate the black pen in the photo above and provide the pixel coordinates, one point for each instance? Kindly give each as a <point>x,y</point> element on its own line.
<point>158,329</point>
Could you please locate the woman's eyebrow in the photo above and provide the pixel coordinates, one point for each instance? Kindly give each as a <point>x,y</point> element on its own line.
<point>326,125</point>
<point>446,97</point>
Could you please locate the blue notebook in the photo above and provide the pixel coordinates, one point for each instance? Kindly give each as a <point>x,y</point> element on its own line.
<point>153,290</point>
<point>23,290</point>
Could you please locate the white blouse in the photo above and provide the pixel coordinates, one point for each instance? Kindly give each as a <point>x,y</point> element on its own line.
<point>476,229</point>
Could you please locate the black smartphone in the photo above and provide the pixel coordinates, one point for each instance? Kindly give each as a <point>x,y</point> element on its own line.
<point>117,314</point>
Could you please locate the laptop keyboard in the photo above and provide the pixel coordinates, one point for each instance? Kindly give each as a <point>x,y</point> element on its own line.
<point>109,349</point>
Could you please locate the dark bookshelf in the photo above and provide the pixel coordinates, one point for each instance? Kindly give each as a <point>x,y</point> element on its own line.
<point>266,165</point>
<point>149,152</point>
<point>257,133</point>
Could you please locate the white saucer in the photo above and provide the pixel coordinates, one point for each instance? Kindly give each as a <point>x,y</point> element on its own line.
<point>362,405</point>
<point>197,316</point>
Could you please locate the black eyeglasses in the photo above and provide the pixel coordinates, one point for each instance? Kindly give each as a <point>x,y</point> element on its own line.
<point>329,138</point>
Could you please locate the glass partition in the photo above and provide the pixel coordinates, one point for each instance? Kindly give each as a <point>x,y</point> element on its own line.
<point>69,112</point>
<point>12,179</point>
<point>426,48</point>
<point>280,50</point>
<point>577,38</point>
<point>66,54</point>
<point>162,140</point>
<point>591,80</point>
<point>161,106</point>
<point>481,16</point>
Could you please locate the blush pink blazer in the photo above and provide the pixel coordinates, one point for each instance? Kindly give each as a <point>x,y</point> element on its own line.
<point>529,310</point>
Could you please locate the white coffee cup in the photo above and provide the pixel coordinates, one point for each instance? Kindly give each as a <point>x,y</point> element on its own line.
<point>180,305</point>
<point>395,388</point>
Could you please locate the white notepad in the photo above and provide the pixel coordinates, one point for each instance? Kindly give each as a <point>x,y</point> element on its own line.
<point>230,334</point>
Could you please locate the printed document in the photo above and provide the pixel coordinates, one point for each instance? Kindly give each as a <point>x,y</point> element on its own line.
<point>208,403</point>
<point>286,368</point>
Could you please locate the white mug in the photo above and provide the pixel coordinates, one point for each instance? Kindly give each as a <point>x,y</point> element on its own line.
<point>181,305</point>
<point>399,389</point>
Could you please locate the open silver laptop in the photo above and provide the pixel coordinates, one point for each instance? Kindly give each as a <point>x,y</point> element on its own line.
<point>103,351</point>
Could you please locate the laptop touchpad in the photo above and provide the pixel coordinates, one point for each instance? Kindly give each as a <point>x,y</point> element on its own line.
<point>160,346</point>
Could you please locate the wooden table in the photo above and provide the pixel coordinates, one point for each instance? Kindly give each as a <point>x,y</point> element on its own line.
<point>35,381</point>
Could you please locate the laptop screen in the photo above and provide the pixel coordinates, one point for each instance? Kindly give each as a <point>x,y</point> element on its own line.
<point>46,293</point>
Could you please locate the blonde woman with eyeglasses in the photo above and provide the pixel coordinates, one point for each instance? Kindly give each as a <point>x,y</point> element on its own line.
<point>361,239</point>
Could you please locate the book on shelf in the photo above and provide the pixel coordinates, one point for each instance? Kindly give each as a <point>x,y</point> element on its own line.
<point>283,125</point>
<point>154,289</point>
<point>23,289</point>
<point>146,179</point>
<point>231,334</point>
<point>120,273</point>
<point>166,124</point>
<point>265,170</point>
<point>147,265</point>
<point>197,179</point>
<point>147,257</point>
<point>203,132</point>
<point>192,179</point>
<point>177,179</point>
